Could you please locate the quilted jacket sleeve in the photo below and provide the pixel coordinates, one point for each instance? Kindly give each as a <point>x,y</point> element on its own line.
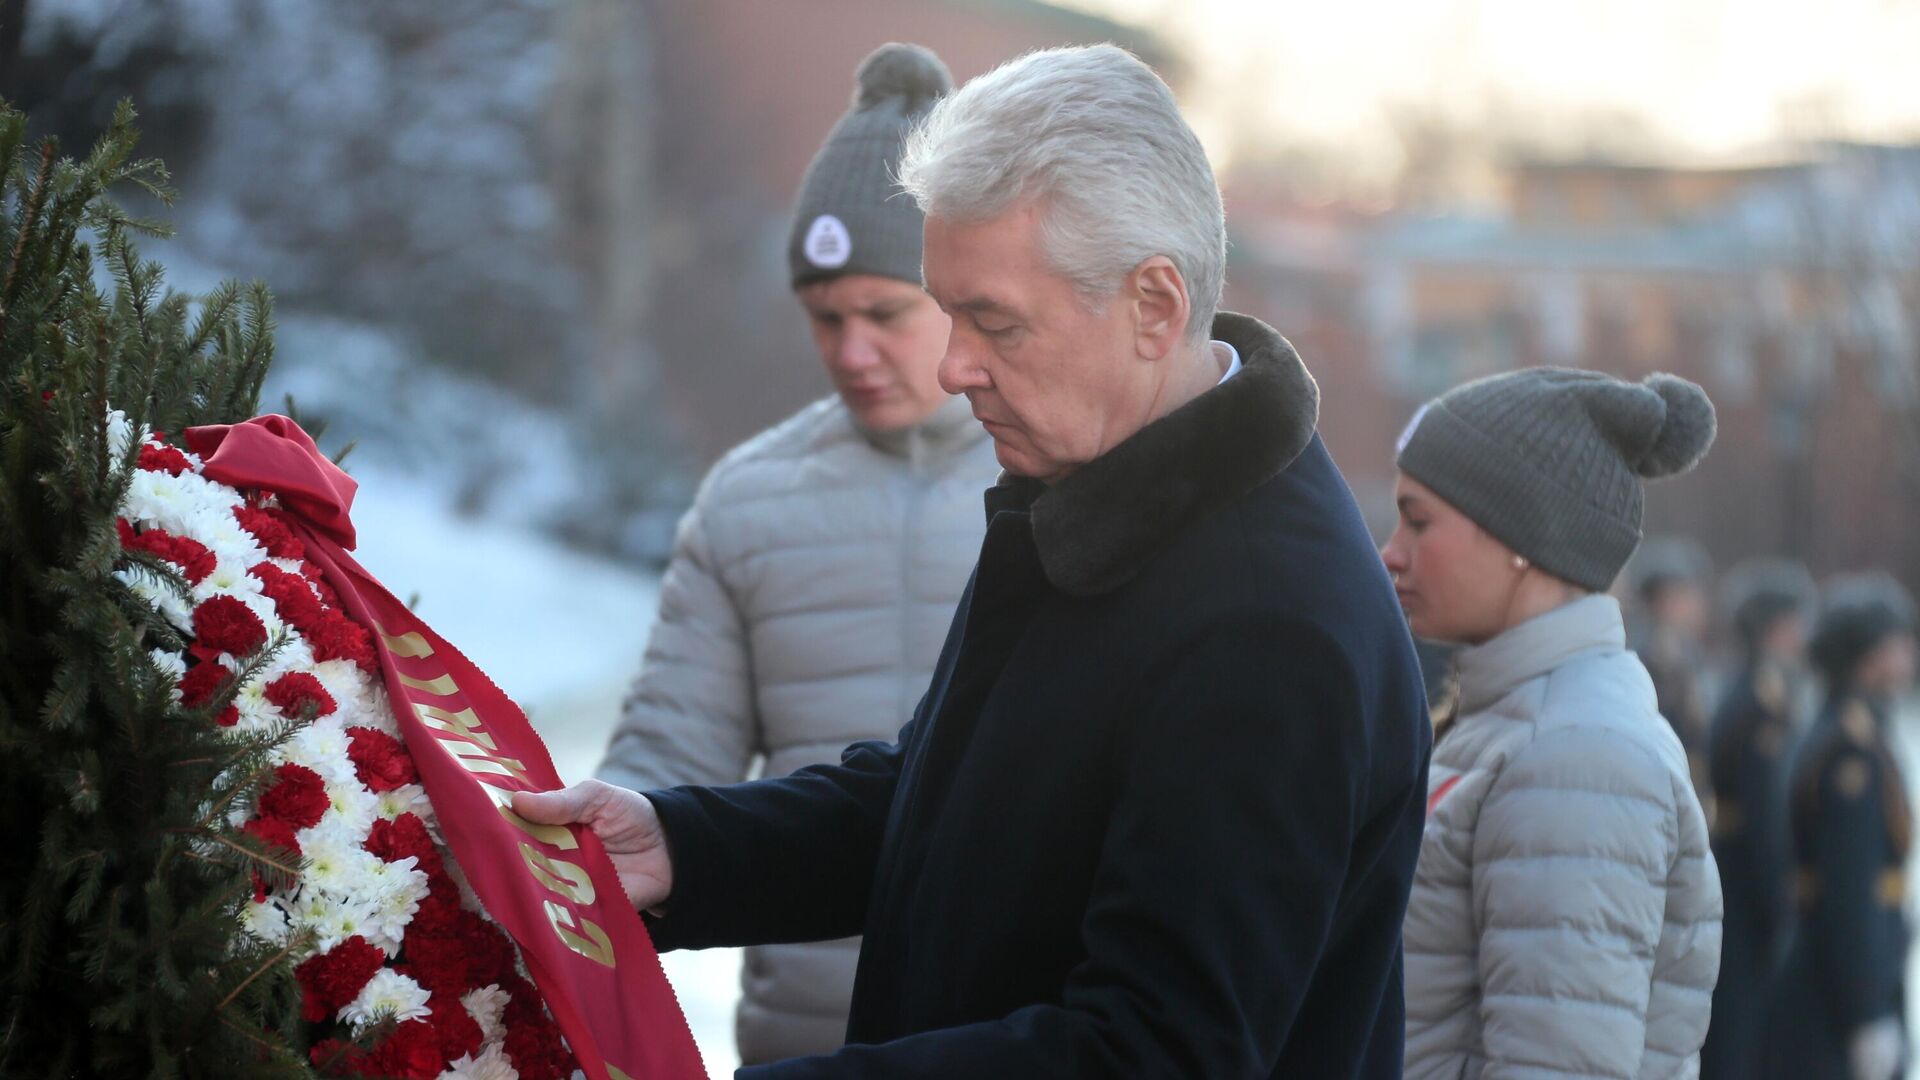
<point>1573,849</point>
<point>689,718</point>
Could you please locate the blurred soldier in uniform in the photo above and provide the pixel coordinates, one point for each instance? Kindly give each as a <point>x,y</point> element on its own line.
<point>1670,577</point>
<point>1768,602</point>
<point>1839,1002</point>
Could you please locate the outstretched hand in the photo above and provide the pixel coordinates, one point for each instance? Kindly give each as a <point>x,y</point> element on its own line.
<point>624,822</point>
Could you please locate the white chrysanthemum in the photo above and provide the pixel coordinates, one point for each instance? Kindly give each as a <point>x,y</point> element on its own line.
<point>333,830</point>
<point>387,994</point>
<point>398,892</point>
<point>294,655</point>
<point>331,864</point>
<point>292,566</point>
<point>256,712</point>
<point>217,528</point>
<point>353,802</point>
<point>120,433</point>
<point>173,665</point>
<point>153,589</point>
<point>492,1063</point>
<point>329,918</point>
<point>266,920</point>
<point>229,578</point>
<point>487,1005</point>
<point>346,684</point>
<point>322,747</point>
<point>405,799</point>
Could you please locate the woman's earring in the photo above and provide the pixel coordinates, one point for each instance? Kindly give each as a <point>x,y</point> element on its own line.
<point>1519,562</point>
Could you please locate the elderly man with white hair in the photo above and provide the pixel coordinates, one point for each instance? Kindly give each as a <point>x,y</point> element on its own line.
<point>1158,812</point>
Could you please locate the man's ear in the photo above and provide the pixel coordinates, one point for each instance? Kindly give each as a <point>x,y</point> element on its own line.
<point>1157,295</point>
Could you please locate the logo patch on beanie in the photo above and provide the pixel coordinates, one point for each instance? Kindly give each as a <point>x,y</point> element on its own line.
<point>828,245</point>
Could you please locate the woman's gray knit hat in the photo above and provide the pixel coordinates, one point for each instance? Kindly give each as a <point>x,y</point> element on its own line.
<point>1551,461</point>
<point>851,217</point>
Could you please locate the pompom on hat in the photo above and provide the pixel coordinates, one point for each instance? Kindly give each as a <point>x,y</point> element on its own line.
<point>1553,462</point>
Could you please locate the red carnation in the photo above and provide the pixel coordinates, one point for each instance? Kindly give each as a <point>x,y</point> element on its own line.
<point>275,834</point>
<point>405,837</point>
<point>194,559</point>
<point>159,457</point>
<point>381,760</point>
<point>293,692</point>
<point>270,528</point>
<point>536,1050</point>
<point>337,637</point>
<point>533,1041</point>
<point>331,979</point>
<point>412,1051</point>
<point>454,1028</point>
<point>298,798</point>
<point>227,624</point>
<point>291,596</point>
<point>202,683</point>
<point>125,529</point>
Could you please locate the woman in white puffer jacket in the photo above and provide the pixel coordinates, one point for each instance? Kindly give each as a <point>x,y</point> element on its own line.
<point>1565,915</point>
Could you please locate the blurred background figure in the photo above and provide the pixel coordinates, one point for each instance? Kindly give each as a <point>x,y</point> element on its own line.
<point>1767,603</point>
<point>1838,1011</point>
<point>817,572</point>
<point>1671,580</point>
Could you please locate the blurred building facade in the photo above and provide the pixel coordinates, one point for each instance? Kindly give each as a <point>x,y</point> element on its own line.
<point>1790,291</point>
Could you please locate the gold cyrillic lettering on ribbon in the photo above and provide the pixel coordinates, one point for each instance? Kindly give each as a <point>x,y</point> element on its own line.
<point>444,686</point>
<point>463,723</point>
<point>585,938</point>
<point>476,759</point>
<point>411,644</point>
<point>557,835</point>
<point>559,875</point>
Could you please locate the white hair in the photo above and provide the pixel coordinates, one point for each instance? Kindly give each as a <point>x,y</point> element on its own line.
<point>1093,136</point>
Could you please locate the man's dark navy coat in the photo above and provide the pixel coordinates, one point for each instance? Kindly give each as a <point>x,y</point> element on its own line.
<point>1158,812</point>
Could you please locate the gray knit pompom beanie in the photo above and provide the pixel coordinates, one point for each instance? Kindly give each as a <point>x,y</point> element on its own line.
<point>851,216</point>
<point>1553,461</point>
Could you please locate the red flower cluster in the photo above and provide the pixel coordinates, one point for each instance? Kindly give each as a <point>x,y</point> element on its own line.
<point>294,691</point>
<point>226,624</point>
<point>340,638</point>
<point>451,950</point>
<point>406,837</point>
<point>415,1050</point>
<point>159,457</point>
<point>381,760</point>
<point>194,559</point>
<point>533,1040</point>
<point>298,797</point>
<point>270,527</point>
<point>333,978</point>
<point>203,682</point>
<point>293,599</point>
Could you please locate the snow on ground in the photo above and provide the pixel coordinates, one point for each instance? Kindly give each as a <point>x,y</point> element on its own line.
<point>561,633</point>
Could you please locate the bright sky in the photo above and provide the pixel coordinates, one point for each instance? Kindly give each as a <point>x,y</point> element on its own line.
<point>1719,77</point>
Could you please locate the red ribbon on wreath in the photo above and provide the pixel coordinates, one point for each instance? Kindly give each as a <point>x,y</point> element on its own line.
<point>552,888</point>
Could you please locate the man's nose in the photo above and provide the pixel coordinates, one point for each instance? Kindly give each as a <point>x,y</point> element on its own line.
<point>960,369</point>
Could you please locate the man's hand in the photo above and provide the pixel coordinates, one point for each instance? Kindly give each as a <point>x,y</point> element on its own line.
<point>626,825</point>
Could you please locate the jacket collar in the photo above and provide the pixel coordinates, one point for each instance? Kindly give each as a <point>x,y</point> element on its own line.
<point>1101,525</point>
<point>1491,671</point>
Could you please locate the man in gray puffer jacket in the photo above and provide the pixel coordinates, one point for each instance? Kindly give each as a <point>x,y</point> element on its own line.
<point>814,578</point>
